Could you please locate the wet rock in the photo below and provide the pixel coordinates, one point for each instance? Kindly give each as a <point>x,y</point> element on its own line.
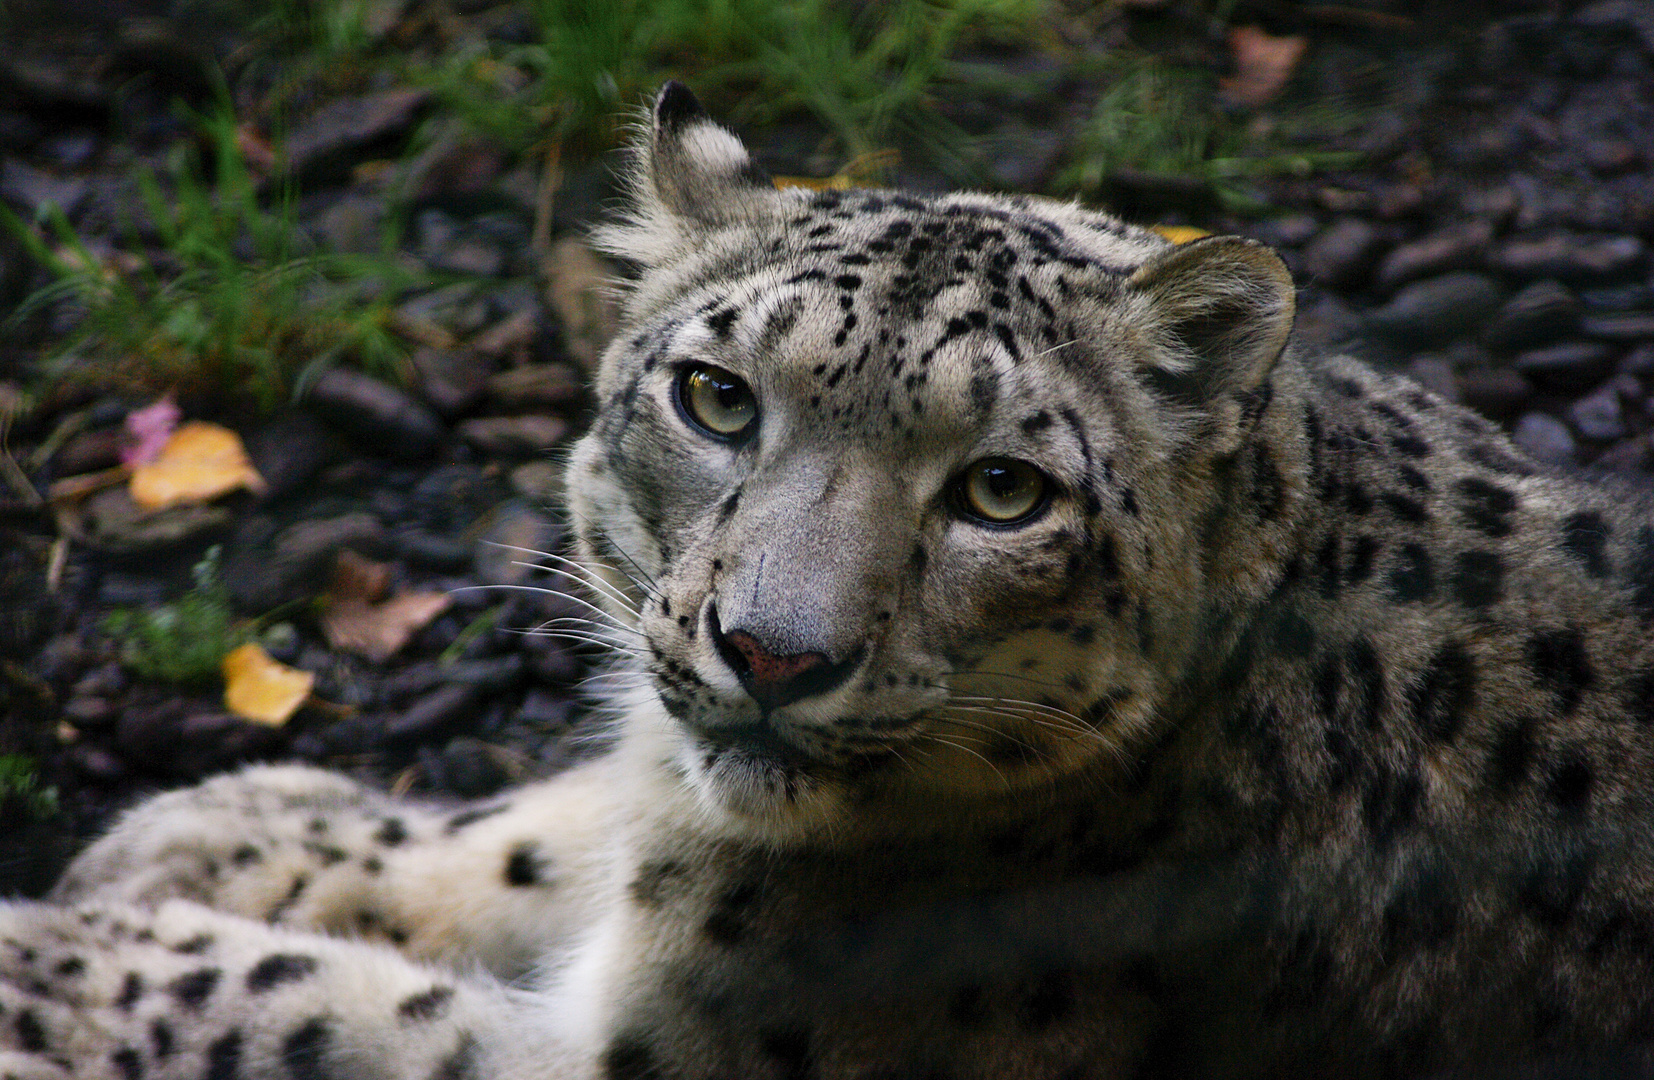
<point>1326,321</point>
<point>447,244</point>
<point>1570,257</point>
<point>431,551</point>
<point>213,741</point>
<point>1286,231</point>
<point>541,482</point>
<point>37,190</point>
<point>1598,416</point>
<point>1537,314</point>
<point>1639,361</point>
<point>473,769</point>
<point>96,763</point>
<point>536,386</point>
<point>288,449</point>
<point>1631,297</point>
<point>125,590</point>
<point>296,561</point>
<point>1611,157</point>
<point>507,550</point>
<point>1342,253</point>
<point>325,144</point>
<point>490,675</point>
<point>1436,310</point>
<point>1435,373</point>
<point>1570,367</point>
<point>441,709</point>
<point>530,435</point>
<point>90,451</point>
<point>1627,16</point>
<point>1544,438</point>
<point>1627,326</point>
<point>1460,247</point>
<point>1496,392</point>
<point>454,164</point>
<point>577,285</point>
<point>90,713</point>
<point>115,523</point>
<point>453,382</point>
<point>385,419</point>
<point>551,661</point>
<point>353,223</point>
<point>1631,455</point>
<point>546,709</point>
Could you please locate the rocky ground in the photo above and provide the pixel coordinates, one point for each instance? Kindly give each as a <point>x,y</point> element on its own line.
<point>1492,239</point>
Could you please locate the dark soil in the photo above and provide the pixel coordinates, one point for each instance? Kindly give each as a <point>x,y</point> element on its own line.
<point>1493,241</point>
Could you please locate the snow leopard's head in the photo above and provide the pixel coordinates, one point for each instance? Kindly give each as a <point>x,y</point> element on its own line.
<point>901,495</point>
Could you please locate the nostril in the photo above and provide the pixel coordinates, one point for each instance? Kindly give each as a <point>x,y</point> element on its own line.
<point>772,679</point>
<point>762,666</point>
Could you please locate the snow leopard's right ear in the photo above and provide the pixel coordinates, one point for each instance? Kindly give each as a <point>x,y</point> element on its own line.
<point>688,175</point>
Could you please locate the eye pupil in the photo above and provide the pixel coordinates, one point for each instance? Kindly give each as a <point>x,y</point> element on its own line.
<point>1000,491</point>
<point>716,402</point>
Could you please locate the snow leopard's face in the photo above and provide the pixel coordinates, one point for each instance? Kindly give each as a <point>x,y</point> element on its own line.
<point>895,484</point>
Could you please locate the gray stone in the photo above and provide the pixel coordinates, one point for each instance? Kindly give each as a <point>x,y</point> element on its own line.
<point>1436,310</point>
<point>381,417</point>
<point>1545,438</point>
<point>1496,392</point>
<point>1459,247</point>
<point>1342,253</point>
<point>437,711</point>
<point>1639,361</point>
<point>265,571</point>
<point>1627,326</point>
<point>1631,455</point>
<point>1599,416</point>
<point>288,449</point>
<point>535,386</point>
<point>326,143</point>
<point>1570,367</point>
<point>514,436</point>
<point>1570,256</point>
<point>1538,314</point>
<point>453,382</point>
<point>38,190</point>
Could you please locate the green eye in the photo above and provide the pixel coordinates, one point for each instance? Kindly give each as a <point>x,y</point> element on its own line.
<point>1000,491</point>
<point>717,402</point>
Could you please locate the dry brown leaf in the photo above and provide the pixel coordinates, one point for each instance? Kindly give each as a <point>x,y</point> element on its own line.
<point>378,631</point>
<point>1263,64</point>
<point>260,688</point>
<point>199,462</point>
<point>357,577</point>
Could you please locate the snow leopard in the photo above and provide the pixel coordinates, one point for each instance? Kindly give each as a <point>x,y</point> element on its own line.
<point>1030,663</point>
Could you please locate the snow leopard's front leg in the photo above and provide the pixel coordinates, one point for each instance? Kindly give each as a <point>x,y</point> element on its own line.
<point>114,992</point>
<point>501,882</point>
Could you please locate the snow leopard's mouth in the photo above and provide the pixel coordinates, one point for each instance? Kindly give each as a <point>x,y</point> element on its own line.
<point>758,741</point>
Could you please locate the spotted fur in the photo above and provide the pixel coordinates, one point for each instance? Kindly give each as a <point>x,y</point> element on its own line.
<point>1299,726</point>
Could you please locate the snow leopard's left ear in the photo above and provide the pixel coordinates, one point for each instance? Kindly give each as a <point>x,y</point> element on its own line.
<point>1217,313</point>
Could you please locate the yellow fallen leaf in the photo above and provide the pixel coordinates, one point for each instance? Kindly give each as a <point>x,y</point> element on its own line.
<point>199,462</point>
<point>378,631</point>
<point>860,172</point>
<point>1179,234</point>
<point>260,688</point>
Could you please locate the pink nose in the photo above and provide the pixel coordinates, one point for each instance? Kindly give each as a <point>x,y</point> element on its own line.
<point>764,668</point>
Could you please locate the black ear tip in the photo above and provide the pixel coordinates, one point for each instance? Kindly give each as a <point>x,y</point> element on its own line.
<point>676,106</point>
